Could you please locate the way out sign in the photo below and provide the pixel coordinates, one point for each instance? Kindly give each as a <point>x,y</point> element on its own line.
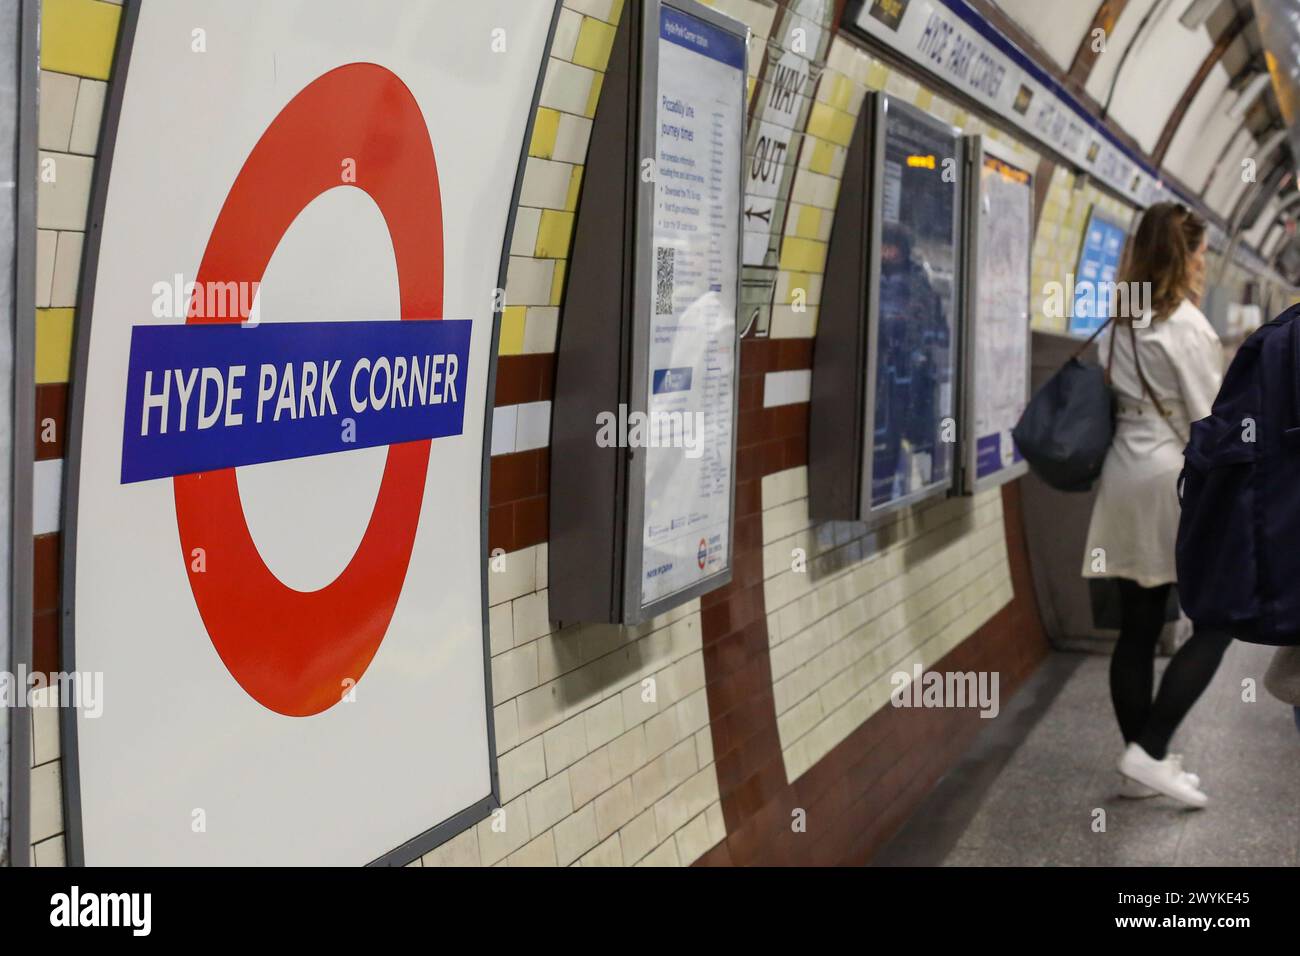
<point>275,539</point>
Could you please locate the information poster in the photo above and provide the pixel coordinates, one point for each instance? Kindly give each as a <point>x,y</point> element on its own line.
<point>692,316</point>
<point>1000,337</point>
<point>1099,258</point>
<point>916,304</point>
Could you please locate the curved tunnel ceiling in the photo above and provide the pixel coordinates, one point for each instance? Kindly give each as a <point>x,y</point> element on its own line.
<point>1187,82</point>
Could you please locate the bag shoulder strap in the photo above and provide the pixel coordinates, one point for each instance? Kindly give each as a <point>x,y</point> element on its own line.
<point>1084,347</point>
<point>1146,386</point>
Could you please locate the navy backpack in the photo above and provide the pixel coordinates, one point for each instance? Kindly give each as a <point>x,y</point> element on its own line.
<point>1239,535</point>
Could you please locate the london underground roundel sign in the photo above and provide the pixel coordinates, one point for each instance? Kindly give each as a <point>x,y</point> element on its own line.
<point>275,532</point>
<point>293,651</point>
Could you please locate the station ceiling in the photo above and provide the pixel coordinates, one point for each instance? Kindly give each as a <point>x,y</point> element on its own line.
<point>1188,84</point>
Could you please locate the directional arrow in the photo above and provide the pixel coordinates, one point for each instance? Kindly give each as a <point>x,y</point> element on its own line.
<point>766,215</point>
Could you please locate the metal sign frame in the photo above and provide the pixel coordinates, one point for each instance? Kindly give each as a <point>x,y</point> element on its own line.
<point>634,612</point>
<point>16,851</point>
<point>977,149</point>
<point>879,106</point>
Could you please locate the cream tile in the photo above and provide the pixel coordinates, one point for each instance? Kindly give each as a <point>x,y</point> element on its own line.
<point>58,103</point>
<point>87,118</point>
<point>50,852</point>
<point>546,184</point>
<point>524,241</point>
<point>514,672</point>
<point>567,87</point>
<point>47,801</point>
<point>566,744</point>
<point>460,850</point>
<point>67,270</point>
<point>63,191</point>
<point>521,769</point>
<point>47,243</point>
<point>503,831</point>
<point>575,835</point>
<point>549,802</point>
<point>615,807</point>
<point>540,852</point>
<point>566,34</point>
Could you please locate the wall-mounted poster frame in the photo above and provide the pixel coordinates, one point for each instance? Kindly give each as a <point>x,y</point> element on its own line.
<point>635,509</point>
<point>1101,252</point>
<point>714,556</point>
<point>946,160</point>
<point>989,457</point>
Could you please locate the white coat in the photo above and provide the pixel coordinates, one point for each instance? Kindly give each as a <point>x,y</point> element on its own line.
<point>1134,522</point>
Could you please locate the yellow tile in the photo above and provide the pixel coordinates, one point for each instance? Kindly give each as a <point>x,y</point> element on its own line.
<point>78,37</point>
<point>575,188</point>
<point>797,280</point>
<point>823,157</point>
<point>841,93</point>
<point>512,331</point>
<point>597,82</point>
<point>877,76</point>
<point>53,345</point>
<point>832,124</point>
<point>557,283</point>
<point>545,129</point>
<point>553,234</point>
<point>810,222</point>
<point>616,11</point>
<point>803,255</point>
<point>595,40</point>
<point>924,98</point>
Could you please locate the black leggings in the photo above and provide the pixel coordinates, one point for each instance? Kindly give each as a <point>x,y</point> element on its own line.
<point>1149,723</point>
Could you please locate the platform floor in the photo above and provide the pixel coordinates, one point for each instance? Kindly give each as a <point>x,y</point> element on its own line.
<point>1027,792</point>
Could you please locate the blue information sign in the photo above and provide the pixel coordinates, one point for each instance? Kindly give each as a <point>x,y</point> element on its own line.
<point>1098,270</point>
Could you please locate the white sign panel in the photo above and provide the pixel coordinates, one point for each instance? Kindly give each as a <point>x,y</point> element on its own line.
<point>692,348</point>
<point>954,43</point>
<point>1001,336</point>
<point>279,531</point>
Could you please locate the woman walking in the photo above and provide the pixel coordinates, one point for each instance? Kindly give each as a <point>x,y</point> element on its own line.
<point>1165,366</point>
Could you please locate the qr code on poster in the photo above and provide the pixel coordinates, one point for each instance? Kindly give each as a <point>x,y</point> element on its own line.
<point>665,263</point>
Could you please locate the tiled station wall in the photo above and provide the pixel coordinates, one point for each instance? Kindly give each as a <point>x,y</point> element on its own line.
<point>770,694</point>
<point>77,44</point>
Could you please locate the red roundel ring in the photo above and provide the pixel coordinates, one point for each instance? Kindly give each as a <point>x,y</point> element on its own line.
<point>294,651</point>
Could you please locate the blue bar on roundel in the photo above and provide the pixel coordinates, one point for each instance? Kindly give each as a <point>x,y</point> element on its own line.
<point>205,397</point>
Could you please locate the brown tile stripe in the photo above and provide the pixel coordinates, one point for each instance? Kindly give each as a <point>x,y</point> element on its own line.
<point>51,417</point>
<point>45,600</point>
<point>864,789</point>
<point>518,501</point>
<point>525,378</point>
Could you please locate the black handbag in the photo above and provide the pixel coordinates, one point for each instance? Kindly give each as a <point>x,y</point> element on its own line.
<point>1069,423</point>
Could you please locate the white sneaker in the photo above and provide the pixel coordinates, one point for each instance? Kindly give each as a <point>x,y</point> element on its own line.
<point>1130,789</point>
<point>1177,761</point>
<point>1162,775</point>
